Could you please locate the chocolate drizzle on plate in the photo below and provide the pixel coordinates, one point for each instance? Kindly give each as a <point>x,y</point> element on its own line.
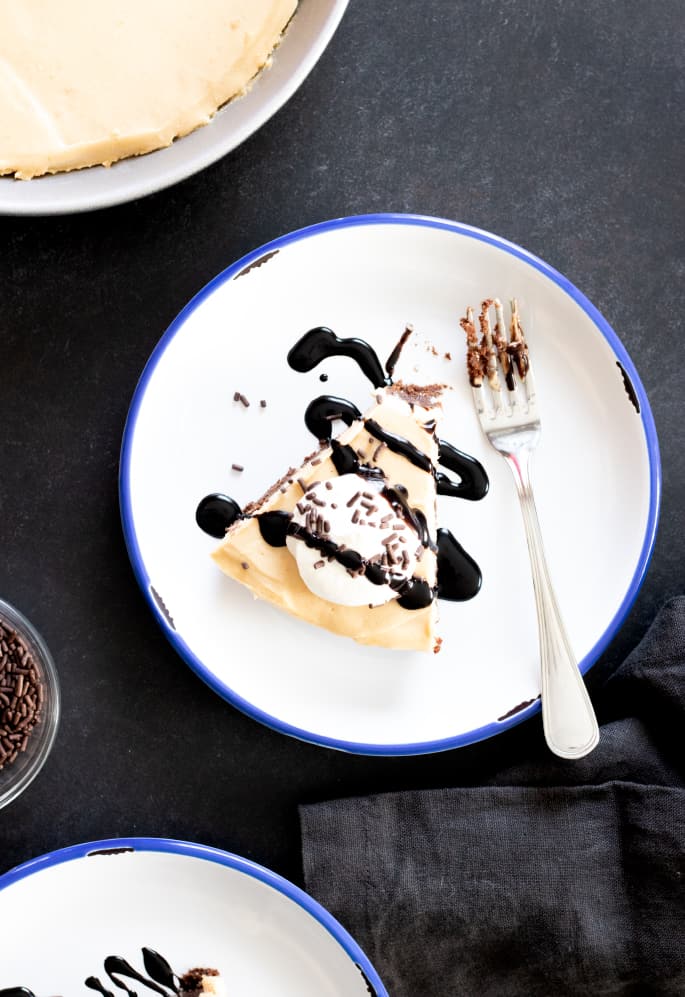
<point>473,484</point>
<point>161,975</point>
<point>216,513</point>
<point>160,979</point>
<point>323,412</point>
<point>459,576</point>
<point>322,343</point>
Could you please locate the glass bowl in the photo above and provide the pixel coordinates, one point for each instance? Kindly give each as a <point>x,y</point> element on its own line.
<point>17,775</point>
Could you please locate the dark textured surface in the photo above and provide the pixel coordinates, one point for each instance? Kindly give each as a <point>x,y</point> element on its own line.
<point>557,125</point>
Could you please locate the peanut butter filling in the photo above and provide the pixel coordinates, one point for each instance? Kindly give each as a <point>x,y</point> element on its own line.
<point>85,84</point>
<point>272,574</point>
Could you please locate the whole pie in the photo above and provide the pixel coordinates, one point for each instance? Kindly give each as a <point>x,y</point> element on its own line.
<point>90,83</point>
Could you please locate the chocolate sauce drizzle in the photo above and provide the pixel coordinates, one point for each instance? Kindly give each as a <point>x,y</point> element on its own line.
<point>399,445</point>
<point>215,514</point>
<point>161,975</point>
<point>473,481</point>
<point>414,593</point>
<point>459,576</point>
<point>473,484</point>
<point>324,411</point>
<point>321,343</point>
<point>346,461</point>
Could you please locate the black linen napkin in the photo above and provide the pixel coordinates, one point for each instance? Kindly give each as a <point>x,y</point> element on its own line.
<point>556,878</point>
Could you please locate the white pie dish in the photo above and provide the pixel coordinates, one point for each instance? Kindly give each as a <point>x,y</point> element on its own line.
<point>306,38</point>
<point>597,477</point>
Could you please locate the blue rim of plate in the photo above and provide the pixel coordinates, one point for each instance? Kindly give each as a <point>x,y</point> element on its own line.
<point>227,859</point>
<point>423,221</point>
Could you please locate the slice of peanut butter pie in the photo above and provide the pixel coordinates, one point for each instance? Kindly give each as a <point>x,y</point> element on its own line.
<point>349,540</point>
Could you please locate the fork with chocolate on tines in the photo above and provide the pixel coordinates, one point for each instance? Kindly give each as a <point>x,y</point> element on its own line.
<point>503,390</point>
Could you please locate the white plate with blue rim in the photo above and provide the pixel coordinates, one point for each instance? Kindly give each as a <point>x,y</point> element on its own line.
<point>190,905</point>
<point>305,40</point>
<point>597,479</point>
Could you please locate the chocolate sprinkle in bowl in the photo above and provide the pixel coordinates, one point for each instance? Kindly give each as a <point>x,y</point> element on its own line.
<point>29,703</point>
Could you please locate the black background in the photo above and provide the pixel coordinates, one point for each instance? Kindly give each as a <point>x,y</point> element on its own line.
<point>555,124</point>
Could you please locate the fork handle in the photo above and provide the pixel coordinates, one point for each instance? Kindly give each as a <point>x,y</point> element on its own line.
<point>568,717</point>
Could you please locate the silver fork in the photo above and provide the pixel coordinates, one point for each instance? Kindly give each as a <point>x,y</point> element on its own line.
<point>511,422</point>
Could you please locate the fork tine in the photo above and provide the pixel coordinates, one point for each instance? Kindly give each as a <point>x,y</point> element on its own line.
<point>502,346</point>
<point>518,349</point>
<point>479,400</point>
<point>495,351</point>
<point>474,360</point>
<point>488,347</point>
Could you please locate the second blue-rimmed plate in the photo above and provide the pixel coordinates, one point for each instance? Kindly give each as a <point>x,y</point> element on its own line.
<point>597,478</point>
<point>67,911</point>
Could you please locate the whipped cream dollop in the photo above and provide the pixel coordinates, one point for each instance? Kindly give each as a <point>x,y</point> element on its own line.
<point>352,547</point>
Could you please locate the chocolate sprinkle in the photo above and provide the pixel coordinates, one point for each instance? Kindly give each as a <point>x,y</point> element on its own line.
<point>237,467</point>
<point>262,403</point>
<point>21,695</point>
